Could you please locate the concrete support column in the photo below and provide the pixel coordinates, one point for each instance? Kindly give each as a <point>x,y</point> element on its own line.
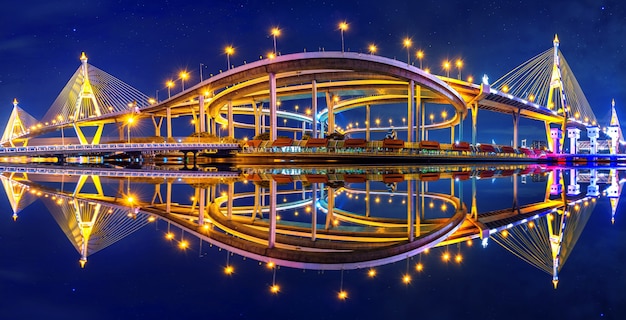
<point>330,215</point>
<point>419,116</point>
<point>474,109</point>
<point>410,111</point>
<point>313,211</point>
<point>201,113</point>
<point>423,122</point>
<point>201,206</point>
<point>272,234</point>
<point>231,196</point>
<point>555,135</point>
<point>593,133</point>
<point>168,116</point>
<point>515,129</point>
<point>330,104</point>
<point>231,121</point>
<point>168,197</point>
<point>410,210</point>
<point>367,198</point>
<point>573,134</point>
<point>452,134</point>
<point>273,119</point>
<point>314,107</point>
<point>367,122</point>
<point>257,115</point>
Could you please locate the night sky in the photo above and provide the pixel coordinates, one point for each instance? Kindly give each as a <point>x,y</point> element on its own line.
<point>147,43</point>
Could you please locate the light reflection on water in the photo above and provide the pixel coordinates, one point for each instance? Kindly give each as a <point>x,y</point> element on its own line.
<point>335,221</point>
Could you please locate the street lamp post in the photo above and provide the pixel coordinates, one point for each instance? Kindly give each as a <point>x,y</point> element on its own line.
<point>275,33</point>
<point>201,67</point>
<point>229,50</point>
<point>459,65</point>
<point>184,75</point>
<point>420,56</point>
<point>407,44</point>
<point>343,26</point>
<point>446,67</point>
<point>169,84</point>
<point>128,124</point>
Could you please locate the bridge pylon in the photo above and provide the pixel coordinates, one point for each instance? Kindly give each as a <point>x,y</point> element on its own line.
<point>86,106</point>
<point>556,97</point>
<point>19,124</point>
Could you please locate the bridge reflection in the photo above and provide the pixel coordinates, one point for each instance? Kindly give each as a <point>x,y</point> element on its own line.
<point>326,218</point>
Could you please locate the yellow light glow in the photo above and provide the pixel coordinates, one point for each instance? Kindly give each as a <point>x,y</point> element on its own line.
<point>444,114</point>
<point>183,244</point>
<point>151,219</point>
<point>371,273</point>
<point>427,70</point>
<point>419,267</point>
<point>459,63</point>
<point>184,75</point>
<point>169,236</point>
<point>151,101</point>
<point>275,32</point>
<point>274,289</point>
<point>420,54</point>
<point>372,48</point>
<point>229,270</point>
<point>270,264</point>
<point>446,65</point>
<point>343,26</point>
<point>531,97</point>
<point>470,242</point>
<point>343,295</point>
<point>130,199</point>
<point>271,55</point>
<point>505,88</point>
<point>470,79</point>
<point>427,250</point>
<point>444,207</point>
<point>169,84</point>
<point>445,256</point>
<point>505,233</point>
<point>458,258</point>
<point>229,50</point>
<point>406,279</point>
<point>407,42</point>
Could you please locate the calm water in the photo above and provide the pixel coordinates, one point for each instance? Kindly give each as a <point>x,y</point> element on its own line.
<point>142,262</point>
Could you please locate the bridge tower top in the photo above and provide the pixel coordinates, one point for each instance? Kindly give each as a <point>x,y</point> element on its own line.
<point>86,92</point>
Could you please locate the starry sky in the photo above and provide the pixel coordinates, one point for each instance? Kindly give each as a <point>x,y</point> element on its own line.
<point>148,42</point>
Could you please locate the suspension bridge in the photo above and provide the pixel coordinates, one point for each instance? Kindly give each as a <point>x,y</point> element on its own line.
<point>249,100</point>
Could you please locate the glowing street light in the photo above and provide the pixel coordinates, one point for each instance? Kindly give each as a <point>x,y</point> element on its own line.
<point>446,67</point>
<point>229,50</point>
<point>431,117</point>
<point>420,56</point>
<point>343,26</point>
<point>184,75</point>
<point>169,84</point>
<point>372,48</point>
<point>407,44</point>
<point>275,33</point>
<point>444,115</point>
<point>459,65</point>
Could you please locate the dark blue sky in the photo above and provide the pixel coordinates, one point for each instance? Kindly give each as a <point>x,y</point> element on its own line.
<point>146,43</point>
